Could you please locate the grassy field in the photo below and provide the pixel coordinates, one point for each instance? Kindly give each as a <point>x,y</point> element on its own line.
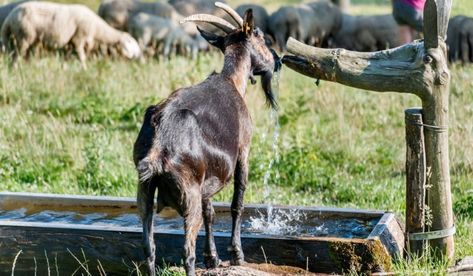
<point>68,130</point>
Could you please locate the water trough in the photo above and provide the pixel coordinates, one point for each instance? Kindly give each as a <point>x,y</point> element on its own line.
<point>73,233</point>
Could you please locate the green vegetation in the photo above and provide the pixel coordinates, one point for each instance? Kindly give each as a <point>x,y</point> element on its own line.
<point>68,130</point>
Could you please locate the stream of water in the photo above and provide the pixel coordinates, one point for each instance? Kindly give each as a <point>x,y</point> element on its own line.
<point>275,222</point>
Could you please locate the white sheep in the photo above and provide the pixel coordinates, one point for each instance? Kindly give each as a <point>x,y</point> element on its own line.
<point>58,26</point>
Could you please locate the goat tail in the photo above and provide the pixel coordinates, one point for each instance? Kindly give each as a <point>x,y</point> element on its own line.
<point>147,168</point>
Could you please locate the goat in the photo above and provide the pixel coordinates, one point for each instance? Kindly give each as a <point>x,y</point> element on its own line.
<point>191,144</point>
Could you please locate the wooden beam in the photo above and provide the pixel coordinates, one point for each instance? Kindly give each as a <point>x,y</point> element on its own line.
<point>398,70</point>
<point>415,178</point>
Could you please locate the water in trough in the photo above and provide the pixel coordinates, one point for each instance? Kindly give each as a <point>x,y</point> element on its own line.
<point>284,222</point>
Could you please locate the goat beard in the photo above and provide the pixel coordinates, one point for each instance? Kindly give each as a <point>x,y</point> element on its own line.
<point>266,79</point>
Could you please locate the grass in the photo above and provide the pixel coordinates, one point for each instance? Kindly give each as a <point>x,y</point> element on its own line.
<point>68,130</point>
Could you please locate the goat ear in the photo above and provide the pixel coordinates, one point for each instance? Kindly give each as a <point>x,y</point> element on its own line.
<point>248,22</point>
<point>211,38</point>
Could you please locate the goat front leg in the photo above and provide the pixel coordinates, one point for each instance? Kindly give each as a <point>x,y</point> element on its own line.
<point>210,252</point>
<point>192,213</point>
<point>145,201</point>
<point>240,181</point>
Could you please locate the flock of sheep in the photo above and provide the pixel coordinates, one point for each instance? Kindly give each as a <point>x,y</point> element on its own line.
<point>132,28</point>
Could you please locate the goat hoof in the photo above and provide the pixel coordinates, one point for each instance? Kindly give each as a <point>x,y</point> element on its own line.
<point>151,270</point>
<point>212,262</point>
<point>237,261</point>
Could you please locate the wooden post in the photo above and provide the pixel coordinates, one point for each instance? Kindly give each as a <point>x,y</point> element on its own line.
<point>435,117</point>
<point>415,179</point>
<point>419,68</point>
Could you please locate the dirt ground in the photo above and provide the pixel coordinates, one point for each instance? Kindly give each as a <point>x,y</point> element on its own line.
<point>249,269</point>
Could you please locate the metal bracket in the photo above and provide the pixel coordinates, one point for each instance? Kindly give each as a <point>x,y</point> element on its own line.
<point>432,235</point>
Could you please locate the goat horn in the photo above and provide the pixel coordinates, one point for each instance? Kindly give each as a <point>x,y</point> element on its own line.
<point>211,19</point>
<point>231,12</point>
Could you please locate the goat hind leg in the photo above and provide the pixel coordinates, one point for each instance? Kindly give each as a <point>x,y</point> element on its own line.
<point>192,213</point>
<point>145,201</point>
<point>211,258</point>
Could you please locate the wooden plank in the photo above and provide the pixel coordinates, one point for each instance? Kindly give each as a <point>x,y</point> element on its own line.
<point>463,268</point>
<point>390,233</point>
<point>415,178</point>
<point>119,251</point>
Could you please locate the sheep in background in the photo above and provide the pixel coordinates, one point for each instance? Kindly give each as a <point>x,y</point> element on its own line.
<point>188,7</point>
<point>6,9</point>
<point>313,23</point>
<point>117,13</point>
<point>460,39</point>
<point>162,36</point>
<point>4,12</point>
<point>260,14</point>
<point>366,33</point>
<point>58,26</point>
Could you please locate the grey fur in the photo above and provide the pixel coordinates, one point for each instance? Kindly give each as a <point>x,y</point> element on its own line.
<point>162,36</point>
<point>460,39</point>
<point>312,23</point>
<point>118,12</point>
<point>189,7</point>
<point>260,14</point>
<point>367,33</point>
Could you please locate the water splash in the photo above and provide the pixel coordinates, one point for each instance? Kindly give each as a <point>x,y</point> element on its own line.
<point>278,222</point>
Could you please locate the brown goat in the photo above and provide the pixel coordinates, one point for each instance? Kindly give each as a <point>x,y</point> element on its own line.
<point>192,143</point>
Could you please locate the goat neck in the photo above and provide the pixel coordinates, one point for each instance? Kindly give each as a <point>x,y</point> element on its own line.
<point>237,66</point>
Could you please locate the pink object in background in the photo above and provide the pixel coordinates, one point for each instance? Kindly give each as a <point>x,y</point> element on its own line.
<point>416,4</point>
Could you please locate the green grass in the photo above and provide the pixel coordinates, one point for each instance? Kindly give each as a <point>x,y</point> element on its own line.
<point>68,130</point>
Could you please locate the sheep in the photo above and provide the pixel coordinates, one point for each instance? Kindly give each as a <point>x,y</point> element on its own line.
<point>460,39</point>
<point>117,13</point>
<point>58,26</point>
<point>192,143</point>
<point>367,33</point>
<point>6,9</point>
<point>259,12</point>
<point>188,7</point>
<point>154,32</point>
<point>312,23</point>
<point>4,12</point>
